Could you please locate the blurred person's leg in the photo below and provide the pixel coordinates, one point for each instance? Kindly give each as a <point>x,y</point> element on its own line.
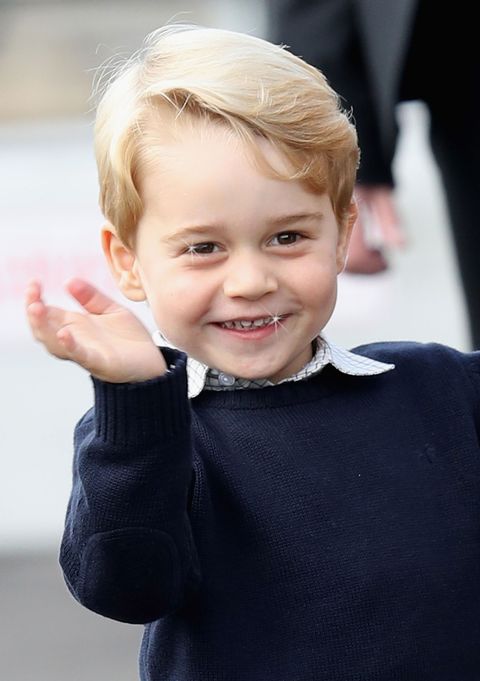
<point>455,140</point>
<point>447,75</point>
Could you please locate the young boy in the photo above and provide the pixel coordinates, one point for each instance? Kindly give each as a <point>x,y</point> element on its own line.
<point>271,506</point>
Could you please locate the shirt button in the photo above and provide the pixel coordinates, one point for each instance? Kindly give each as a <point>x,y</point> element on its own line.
<point>226,379</point>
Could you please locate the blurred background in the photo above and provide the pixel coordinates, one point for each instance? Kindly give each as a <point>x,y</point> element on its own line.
<point>49,222</point>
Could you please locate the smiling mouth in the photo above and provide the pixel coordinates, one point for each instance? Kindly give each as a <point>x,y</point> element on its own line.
<point>250,324</point>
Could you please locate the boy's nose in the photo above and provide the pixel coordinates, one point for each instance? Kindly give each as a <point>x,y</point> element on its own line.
<point>248,278</point>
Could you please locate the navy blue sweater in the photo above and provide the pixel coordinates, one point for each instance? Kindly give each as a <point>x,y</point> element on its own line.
<point>324,530</point>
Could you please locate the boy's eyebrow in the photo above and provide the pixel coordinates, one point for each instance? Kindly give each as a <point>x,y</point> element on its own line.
<point>295,217</point>
<point>277,221</point>
<point>181,234</point>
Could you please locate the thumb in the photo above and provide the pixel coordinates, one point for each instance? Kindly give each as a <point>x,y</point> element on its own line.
<point>89,297</point>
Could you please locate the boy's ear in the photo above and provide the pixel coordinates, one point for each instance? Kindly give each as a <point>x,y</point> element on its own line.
<point>123,264</point>
<point>344,234</point>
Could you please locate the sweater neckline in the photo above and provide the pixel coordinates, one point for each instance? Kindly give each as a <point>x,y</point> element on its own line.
<point>283,394</point>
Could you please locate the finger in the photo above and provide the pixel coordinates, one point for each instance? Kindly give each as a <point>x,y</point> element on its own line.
<point>65,338</point>
<point>75,350</point>
<point>387,216</point>
<point>394,234</point>
<point>89,297</point>
<point>33,292</point>
<point>47,315</point>
<point>45,322</point>
<point>35,311</point>
<point>379,208</point>
<point>362,258</point>
<point>368,228</point>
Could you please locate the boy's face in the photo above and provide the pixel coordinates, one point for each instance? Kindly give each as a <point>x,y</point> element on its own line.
<point>220,241</point>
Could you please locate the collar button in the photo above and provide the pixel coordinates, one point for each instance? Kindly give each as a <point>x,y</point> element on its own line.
<point>226,379</point>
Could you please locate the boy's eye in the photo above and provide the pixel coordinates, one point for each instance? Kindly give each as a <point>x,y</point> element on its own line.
<point>202,249</point>
<point>286,238</point>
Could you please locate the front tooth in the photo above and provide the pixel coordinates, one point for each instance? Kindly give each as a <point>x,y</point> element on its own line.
<point>247,324</point>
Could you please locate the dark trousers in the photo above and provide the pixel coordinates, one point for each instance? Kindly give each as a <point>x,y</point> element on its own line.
<point>443,71</point>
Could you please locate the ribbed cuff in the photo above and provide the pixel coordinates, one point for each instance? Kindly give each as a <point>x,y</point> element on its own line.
<point>139,413</point>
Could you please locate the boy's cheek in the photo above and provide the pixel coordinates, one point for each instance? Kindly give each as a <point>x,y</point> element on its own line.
<point>174,306</point>
<point>163,283</point>
<point>179,297</point>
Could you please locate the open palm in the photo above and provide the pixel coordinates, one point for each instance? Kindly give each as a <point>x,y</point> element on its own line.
<point>106,339</point>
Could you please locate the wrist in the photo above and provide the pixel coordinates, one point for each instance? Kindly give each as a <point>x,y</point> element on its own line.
<point>144,365</point>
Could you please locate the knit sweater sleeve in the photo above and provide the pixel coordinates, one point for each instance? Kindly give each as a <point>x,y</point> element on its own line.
<point>127,551</point>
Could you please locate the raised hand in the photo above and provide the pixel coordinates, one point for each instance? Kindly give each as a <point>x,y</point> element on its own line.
<point>106,339</point>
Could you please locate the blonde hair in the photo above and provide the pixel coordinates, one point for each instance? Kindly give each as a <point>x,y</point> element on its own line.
<point>249,85</point>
